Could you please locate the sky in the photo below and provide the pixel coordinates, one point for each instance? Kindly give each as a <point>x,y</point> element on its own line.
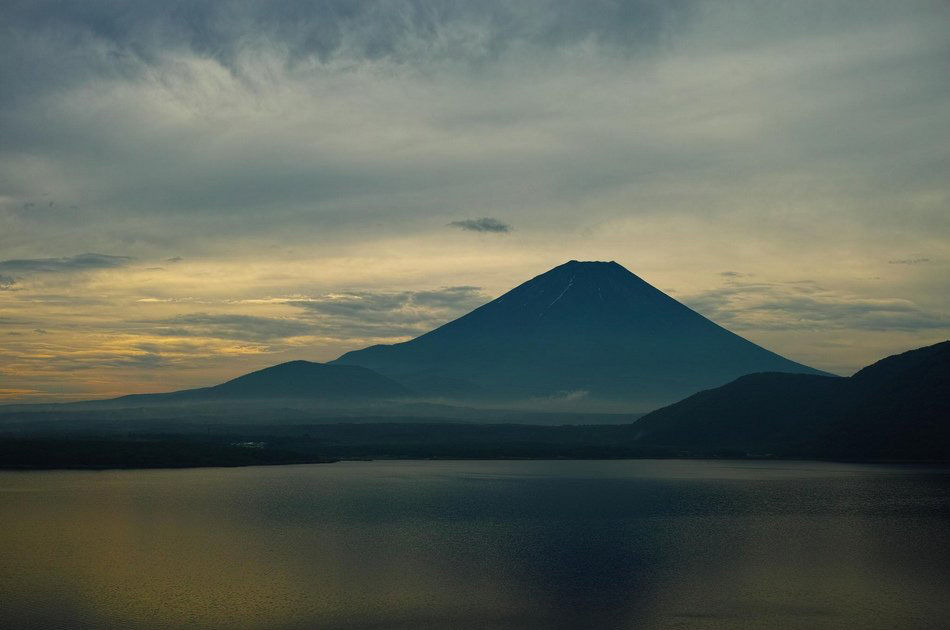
<point>190,190</point>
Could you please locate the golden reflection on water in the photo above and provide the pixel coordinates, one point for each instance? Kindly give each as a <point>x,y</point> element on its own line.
<point>123,564</point>
<point>472,545</point>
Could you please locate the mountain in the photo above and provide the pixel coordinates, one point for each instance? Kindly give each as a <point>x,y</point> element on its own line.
<point>294,380</point>
<point>582,331</point>
<point>898,408</point>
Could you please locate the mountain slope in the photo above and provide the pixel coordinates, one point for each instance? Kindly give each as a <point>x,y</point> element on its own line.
<point>899,407</point>
<point>583,329</point>
<point>294,380</point>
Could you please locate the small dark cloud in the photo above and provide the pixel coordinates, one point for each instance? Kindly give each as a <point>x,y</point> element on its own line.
<point>82,262</point>
<point>174,259</point>
<point>40,331</point>
<point>485,224</point>
<point>154,269</point>
<point>7,283</point>
<point>909,261</point>
<point>732,274</point>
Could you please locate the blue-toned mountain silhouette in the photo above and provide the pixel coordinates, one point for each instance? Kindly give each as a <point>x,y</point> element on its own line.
<point>294,380</point>
<point>583,330</point>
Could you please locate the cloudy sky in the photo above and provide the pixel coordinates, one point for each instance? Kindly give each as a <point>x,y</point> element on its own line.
<point>190,189</point>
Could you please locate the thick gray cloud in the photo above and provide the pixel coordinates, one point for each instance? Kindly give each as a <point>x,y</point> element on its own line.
<point>81,262</point>
<point>371,29</point>
<point>485,224</point>
<point>187,124</point>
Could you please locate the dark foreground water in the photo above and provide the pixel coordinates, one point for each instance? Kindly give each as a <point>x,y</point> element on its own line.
<point>459,545</point>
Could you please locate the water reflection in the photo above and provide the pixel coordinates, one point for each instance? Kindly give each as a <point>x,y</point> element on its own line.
<point>639,544</point>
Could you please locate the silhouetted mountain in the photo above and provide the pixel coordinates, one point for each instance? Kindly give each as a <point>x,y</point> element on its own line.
<point>897,408</point>
<point>294,380</point>
<point>582,330</point>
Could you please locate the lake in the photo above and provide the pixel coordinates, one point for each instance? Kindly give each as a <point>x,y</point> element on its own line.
<point>479,544</point>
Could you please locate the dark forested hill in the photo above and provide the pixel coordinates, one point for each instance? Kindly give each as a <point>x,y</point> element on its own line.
<point>897,408</point>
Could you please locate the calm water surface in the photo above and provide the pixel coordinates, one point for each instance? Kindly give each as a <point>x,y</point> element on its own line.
<point>488,545</point>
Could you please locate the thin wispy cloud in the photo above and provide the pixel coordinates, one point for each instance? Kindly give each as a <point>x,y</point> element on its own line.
<point>81,262</point>
<point>228,326</point>
<point>387,315</point>
<point>808,306</point>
